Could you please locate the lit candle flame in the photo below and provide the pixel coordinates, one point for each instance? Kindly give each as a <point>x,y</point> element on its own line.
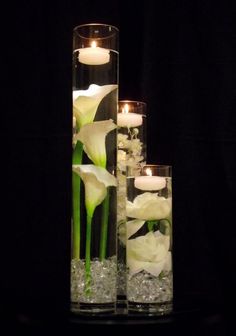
<point>149,172</point>
<point>125,109</point>
<point>93,44</point>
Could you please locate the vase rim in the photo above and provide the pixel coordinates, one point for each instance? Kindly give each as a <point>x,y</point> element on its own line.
<point>96,24</point>
<point>158,165</point>
<point>132,101</point>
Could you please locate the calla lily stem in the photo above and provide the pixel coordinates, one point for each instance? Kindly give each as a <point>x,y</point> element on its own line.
<point>76,181</point>
<point>88,255</point>
<point>104,227</point>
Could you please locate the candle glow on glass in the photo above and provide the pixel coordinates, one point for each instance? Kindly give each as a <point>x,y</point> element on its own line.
<point>149,172</point>
<point>74,122</point>
<point>94,55</point>
<point>149,182</point>
<point>128,119</point>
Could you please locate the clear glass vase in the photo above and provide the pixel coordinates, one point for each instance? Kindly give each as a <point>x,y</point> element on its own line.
<point>131,122</point>
<point>94,182</point>
<point>149,241</point>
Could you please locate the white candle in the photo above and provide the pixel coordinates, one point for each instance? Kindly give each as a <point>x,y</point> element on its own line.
<point>94,55</point>
<point>149,183</point>
<point>127,119</point>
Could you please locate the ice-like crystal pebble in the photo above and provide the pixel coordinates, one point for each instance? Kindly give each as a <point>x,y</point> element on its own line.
<point>121,279</point>
<point>146,288</point>
<point>103,281</point>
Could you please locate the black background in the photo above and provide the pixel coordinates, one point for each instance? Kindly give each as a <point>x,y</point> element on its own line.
<point>178,57</point>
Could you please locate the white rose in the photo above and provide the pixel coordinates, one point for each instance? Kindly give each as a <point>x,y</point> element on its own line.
<point>127,229</point>
<point>150,253</point>
<point>149,206</point>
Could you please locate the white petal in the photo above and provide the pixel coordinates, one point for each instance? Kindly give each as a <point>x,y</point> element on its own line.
<point>85,102</point>
<point>149,206</point>
<point>90,92</point>
<point>96,180</point>
<point>133,226</point>
<point>154,268</point>
<point>101,174</point>
<point>162,239</point>
<point>94,90</point>
<point>168,262</point>
<point>93,137</point>
<point>84,110</point>
<point>136,266</point>
<point>122,233</point>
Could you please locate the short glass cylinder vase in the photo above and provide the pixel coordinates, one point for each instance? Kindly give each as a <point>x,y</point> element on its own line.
<point>149,241</point>
<point>131,144</point>
<point>94,161</point>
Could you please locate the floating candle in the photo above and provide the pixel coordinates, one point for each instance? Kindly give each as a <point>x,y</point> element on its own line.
<point>149,182</point>
<point>129,119</point>
<point>94,55</point>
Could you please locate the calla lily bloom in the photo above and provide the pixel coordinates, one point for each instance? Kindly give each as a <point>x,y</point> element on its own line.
<point>93,137</point>
<point>85,102</point>
<point>150,253</point>
<point>149,206</point>
<point>96,180</point>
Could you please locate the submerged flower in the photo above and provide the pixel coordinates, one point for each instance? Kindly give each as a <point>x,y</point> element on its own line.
<point>133,226</point>
<point>121,160</point>
<point>122,140</point>
<point>149,206</point>
<point>121,155</point>
<point>121,197</point>
<point>85,102</point>
<point>127,229</point>
<point>96,180</point>
<point>150,253</point>
<point>135,147</point>
<point>93,138</point>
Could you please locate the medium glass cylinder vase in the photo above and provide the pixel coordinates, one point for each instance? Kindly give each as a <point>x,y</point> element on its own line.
<point>131,122</point>
<point>94,182</point>
<point>149,241</point>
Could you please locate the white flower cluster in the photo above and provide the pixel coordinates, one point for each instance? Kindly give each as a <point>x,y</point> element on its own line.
<point>128,155</point>
<point>129,150</point>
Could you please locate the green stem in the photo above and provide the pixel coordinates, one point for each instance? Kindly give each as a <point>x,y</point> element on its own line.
<point>88,255</point>
<point>76,181</point>
<point>77,153</point>
<point>104,227</point>
<point>151,224</point>
<point>76,214</point>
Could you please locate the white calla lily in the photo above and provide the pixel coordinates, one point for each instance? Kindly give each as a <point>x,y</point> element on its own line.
<point>85,102</point>
<point>96,180</point>
<point>93,137</point>
<point>150,253</point>
<point>149,206</point>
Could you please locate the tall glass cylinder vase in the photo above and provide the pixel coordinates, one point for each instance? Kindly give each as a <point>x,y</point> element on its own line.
<point>94,182</point>
<point>131,122</point>
<point>149,241</point>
